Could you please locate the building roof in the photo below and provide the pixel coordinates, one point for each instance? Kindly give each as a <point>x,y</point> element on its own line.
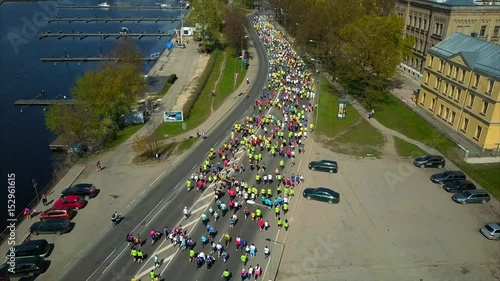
<point>482,56</point>
<point>466,2</point>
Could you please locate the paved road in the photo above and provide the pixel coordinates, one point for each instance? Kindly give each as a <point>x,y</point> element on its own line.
<point>105,259</point>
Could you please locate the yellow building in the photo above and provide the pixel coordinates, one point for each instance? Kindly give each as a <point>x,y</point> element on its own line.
<point>461,88</point>
<point>428,22</point>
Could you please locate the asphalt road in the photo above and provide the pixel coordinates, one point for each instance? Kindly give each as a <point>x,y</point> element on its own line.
<point>109,259</point>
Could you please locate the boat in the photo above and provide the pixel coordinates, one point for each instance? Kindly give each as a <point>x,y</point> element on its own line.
<point>104,5</point>
<point>124,30</point>
<point>164,5</point>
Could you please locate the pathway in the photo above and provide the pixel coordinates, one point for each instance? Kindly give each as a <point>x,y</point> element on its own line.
<point>221,72</point>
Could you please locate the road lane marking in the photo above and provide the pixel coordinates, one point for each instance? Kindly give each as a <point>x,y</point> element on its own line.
<point>199,209</point>
<point>100,266</point>
<point>158,178</point>
<point>146,272</point>
<point>80,253</point>
<point>69,263</point>
<point>140,194</point>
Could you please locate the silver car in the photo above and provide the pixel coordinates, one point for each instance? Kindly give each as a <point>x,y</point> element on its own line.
<point>491,231</point>
<point>471,196</point>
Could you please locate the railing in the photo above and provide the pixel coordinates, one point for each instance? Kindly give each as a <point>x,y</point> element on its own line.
<point>57,176</point>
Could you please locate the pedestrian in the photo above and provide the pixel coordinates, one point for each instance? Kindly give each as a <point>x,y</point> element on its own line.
<point>156,261</point>
<point>98,165</point>
<point>267,252</point>
<point>256,271</point>
<point>253,251</point>
<point>140,256</point>
<point>261,224</point>
<point>286,225</point>
<point>27,212</point>
<point>44,199</point>
<point>280,223</point>
<point>266,225</point>
<point>244,259</point>
<point>152,274</point>
<point>226,275</point>
<point>133,253</point>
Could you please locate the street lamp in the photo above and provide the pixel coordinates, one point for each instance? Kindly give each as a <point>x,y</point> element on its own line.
<point>242,57</point>
<point>35,184</point>
<point>318,71</point>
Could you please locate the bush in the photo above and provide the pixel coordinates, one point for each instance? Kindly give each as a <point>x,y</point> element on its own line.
<point>172,78</point>
<point>202,81</point>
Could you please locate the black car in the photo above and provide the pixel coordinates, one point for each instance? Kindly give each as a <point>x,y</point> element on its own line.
<point>448,176</point>
<point>84,189</point>
<point>51,226</point>
<point>458,186</point>
<point>324,166</point>
<point>24,267</point>
<point>321,194</point>
<point>31,248</point>
<point>429,161</point>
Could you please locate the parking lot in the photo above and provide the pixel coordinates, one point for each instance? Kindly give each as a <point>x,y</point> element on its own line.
<point>392,223</point>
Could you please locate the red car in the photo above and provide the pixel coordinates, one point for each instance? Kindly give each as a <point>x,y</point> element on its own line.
<point>58,212</point>
<point>71,201</point>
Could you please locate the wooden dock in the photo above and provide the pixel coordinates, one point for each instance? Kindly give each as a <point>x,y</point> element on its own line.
<point>116,7</point>
<point>88,20</point>
<point>89,59</point>
<point>61,35</point>
<point>45,102</point>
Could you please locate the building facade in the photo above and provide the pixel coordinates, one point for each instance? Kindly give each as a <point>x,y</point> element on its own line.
<point>428,22</point>
<point>461,88</point>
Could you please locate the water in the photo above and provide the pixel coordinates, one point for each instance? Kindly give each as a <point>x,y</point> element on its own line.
<point>24,138</point>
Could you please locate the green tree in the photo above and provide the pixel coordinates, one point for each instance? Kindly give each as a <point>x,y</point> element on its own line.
<point>372,49</point>
<point>234,27</point>
<point>208,15</point>
<point>73,123</point>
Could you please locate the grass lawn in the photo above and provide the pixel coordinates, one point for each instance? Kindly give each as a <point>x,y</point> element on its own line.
<point>395,115</point>
<point>124,134</point>
<point>351,135</point>
<point>165,152</point>
<point>186,144</point>
<point>407,150</point>
<point>202,107</point>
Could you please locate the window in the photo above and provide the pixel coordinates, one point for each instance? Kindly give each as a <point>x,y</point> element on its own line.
<point>438,29</point>
<point>476,80</point>
<point>433,104</point>
<point>482,32</point>
<point>447,113</point>
<point>458,92</point>
<point>450,70</point>
<point>431,61</point>
<point>462,75</point>
<point>452,118</point>
<point>441,65</point>
<point>427,77</point>
<point>437,83</point>
<point>425,24</point>
<point>495,31</point>
<point>422,100</point>
<point>419,23</point>
<point>411,20</point>
<point>441,109</point>
<point>456,72</point>
<point>450,92</point>
<point>491,84</point>
<point>445,89</point>
<point>484,108</point>
<point>471,100</point>
<point>479,129</point>
<point>465,124</point>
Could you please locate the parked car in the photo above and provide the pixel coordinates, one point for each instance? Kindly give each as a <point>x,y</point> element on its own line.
<point>321,194</point>
<point>71,201</point>
<point>429,161</point>
<point>491,231</point>
<point>448,176</point>
<point>25,267</point>
<point>58,212</point>
<point>33,248</point>
<point>50,226</point>
<point>471,196</point>
<point>84,189</point>
<point>324,166</point>
<point>458,186</point>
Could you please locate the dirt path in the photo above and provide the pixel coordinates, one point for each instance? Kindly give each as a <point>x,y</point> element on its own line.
<point>389,149</point>
<point>189,88</point>
<point>218,80</point>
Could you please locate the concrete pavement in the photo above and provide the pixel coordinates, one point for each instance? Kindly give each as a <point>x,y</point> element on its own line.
<point>122,185</point>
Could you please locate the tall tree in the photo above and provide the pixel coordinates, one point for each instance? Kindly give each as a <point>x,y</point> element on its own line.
<point>372,48</point>
<point>234,27</point>
<point>208,15</point>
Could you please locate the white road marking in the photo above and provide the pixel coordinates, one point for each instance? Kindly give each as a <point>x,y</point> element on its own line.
<point>99,266</point>
<point>146,272</point>
<point>275,240</point>
<point>158,178</point>
<point>80,253</point>
<point>199,209</point>
<point>140,194</point>
<point>69,263</point>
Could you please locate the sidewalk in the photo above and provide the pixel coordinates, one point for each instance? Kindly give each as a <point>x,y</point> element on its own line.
<point>121,183</point>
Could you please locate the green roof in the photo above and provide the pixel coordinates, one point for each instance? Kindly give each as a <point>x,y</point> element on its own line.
<point>481,56</point>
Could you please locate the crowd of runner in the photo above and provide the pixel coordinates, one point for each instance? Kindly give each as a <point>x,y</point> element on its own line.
<point>278,128</point>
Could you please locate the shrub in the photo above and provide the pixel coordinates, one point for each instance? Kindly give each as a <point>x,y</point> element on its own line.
<point>172,78</point>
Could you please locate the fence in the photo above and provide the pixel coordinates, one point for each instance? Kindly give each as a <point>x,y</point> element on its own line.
<point>57,175</point>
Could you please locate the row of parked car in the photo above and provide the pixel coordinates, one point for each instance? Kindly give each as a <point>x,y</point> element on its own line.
<point>465,191</point>
<point>29,257</point>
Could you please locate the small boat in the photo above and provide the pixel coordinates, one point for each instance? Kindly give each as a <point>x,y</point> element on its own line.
<point>124,30</point>
<point>164,5</point>
<point>104,5</point>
